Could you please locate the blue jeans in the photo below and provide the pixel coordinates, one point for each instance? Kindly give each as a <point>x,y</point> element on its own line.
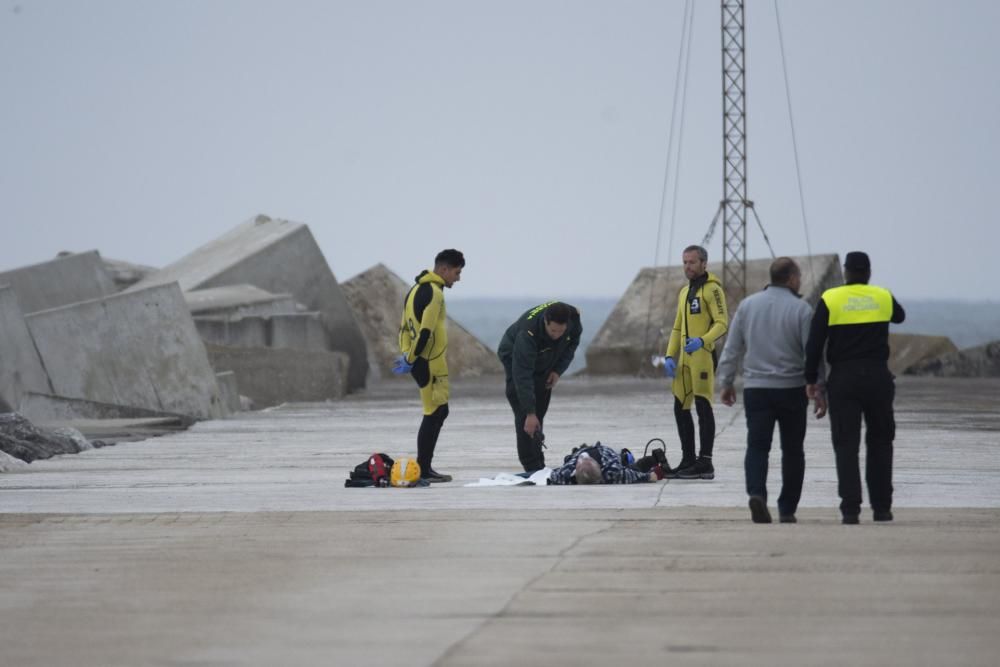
<point>788,408</point>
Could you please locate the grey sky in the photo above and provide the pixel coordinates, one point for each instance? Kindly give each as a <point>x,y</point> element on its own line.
<point>530,134</point>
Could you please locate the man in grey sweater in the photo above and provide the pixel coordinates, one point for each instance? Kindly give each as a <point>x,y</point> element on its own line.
<point>769,333</point>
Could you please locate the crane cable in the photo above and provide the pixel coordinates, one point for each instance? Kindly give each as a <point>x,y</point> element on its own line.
<point>795,146</point>
<point>680,136</point>
<point>707,239</point>
<point>767,240</point>
<point>683,59</point>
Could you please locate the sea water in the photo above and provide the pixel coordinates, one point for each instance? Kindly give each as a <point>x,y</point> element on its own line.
<point>967,324</point>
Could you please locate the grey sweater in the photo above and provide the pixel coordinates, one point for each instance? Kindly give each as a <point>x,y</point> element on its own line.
<point>769,333</point>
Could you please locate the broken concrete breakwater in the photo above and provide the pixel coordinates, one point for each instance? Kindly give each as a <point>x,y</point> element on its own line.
<point>22,440</point>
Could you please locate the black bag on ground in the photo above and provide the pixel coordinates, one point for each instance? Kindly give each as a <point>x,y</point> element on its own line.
<point>652,459</point>
<point>373,471</point>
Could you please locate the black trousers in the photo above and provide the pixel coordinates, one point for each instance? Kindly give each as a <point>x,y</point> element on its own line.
<point>685,427</point>
<point>427,436</point>
<point>789,409</point>
<point>530,454</point>
<point>856,390</point>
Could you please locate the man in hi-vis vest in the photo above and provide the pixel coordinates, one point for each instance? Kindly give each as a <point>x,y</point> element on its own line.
<point>853,322</point>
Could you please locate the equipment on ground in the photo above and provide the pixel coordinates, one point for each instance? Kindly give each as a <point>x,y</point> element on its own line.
<point>373,471</point>
<point>405,472</point>
<point>379,467</point>
<point>649,461</point>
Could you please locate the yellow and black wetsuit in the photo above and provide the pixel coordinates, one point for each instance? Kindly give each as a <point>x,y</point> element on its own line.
<point>701,313</point>
<point>423,338</point>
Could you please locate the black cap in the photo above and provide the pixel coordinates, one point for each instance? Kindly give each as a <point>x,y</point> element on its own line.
<point>857,261</point>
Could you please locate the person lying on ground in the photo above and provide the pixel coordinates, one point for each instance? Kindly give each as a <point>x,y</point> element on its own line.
<point>600,464</point>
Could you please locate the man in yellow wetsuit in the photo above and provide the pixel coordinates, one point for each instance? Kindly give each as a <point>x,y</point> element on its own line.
<point>690,360</point>
<point>423,343</point>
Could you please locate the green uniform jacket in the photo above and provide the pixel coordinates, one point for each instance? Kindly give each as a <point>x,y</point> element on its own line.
<point>704,316</point>
<point>529,355</point>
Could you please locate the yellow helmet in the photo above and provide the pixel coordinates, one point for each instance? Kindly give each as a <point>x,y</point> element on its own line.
<point>405,472</point>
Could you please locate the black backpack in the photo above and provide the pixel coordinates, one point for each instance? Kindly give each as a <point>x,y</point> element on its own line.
<point>373,471</point>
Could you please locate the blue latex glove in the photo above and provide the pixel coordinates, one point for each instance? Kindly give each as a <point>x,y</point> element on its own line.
<point>669,367</point>
<point>693,345</point>
<point>401,366</point>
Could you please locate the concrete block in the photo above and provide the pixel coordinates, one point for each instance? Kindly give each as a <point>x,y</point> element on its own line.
<point>376,295</point>
<point>21,369</point>
<point>102,432</point>
<point>229,390</point>
<point>271,376</point>
<point>126,274</point>
<point>67,279</point>
<point>46,408</point>
<point>280,257</point>
<point>135,348</point>
<point>982,361</point>
<point>239,332</point>
<point>240,301</point>
<point>299,331</point>
<point>639,326</point>
<point>907,350</point>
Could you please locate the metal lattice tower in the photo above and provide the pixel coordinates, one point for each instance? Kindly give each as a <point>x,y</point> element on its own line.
<point>734,147</point>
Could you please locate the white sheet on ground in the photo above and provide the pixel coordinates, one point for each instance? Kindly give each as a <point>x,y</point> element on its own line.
<point>510,479</point>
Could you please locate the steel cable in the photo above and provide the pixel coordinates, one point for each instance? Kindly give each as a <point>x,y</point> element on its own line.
<point>795,146</point>
<point>680,94</point>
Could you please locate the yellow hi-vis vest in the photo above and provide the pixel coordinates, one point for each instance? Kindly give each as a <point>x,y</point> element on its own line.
<point>858,304</point>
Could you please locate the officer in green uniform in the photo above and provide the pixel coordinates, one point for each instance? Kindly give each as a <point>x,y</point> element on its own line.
<point>423,343</point>
<point>701,320</point>
<point>853,322</point>
<point>535,351</point>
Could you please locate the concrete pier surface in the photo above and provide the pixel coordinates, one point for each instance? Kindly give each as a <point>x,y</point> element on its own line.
<point>235,542</point>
